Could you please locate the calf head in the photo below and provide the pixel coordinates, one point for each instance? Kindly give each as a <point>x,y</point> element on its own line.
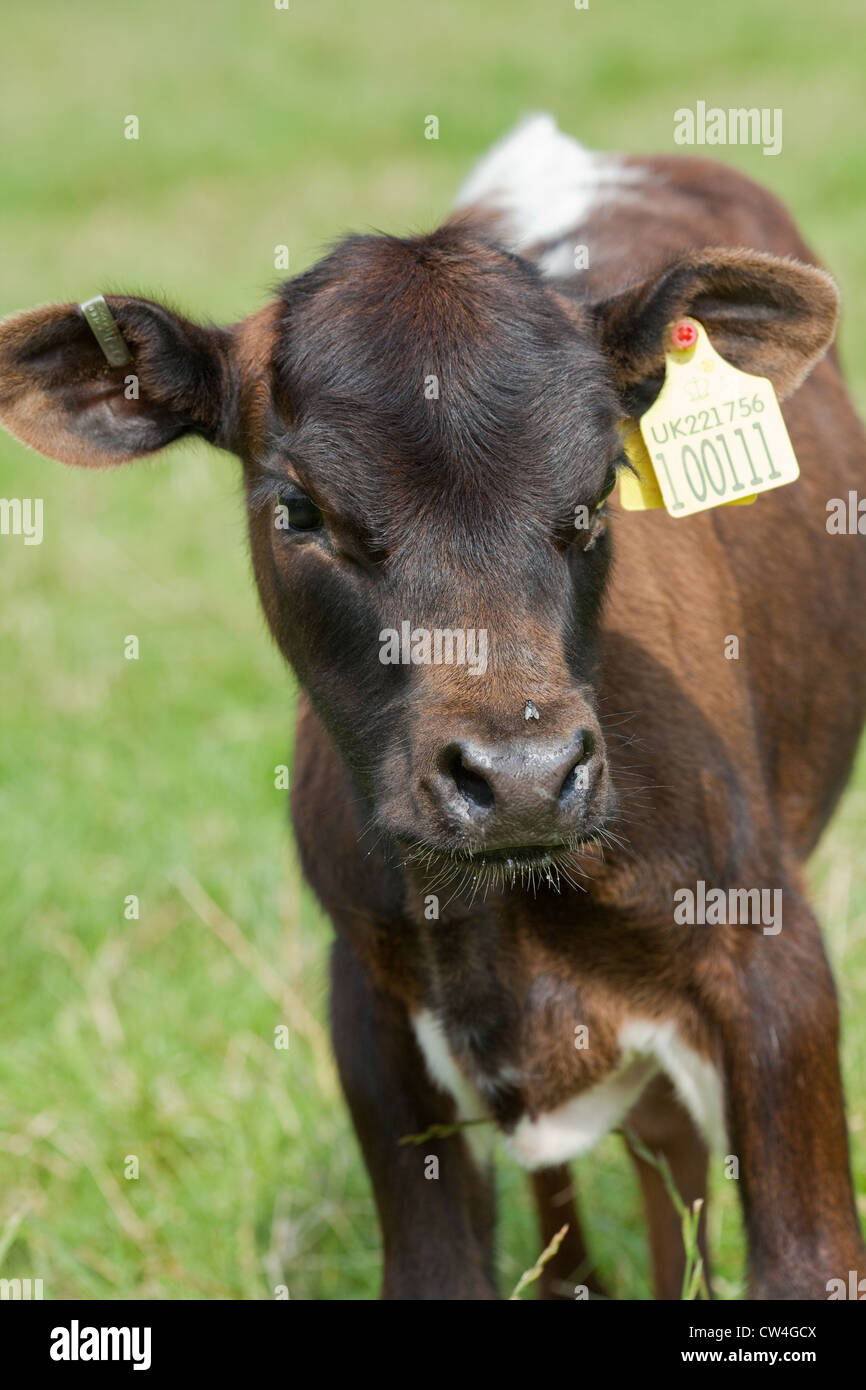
<point>422,422</point>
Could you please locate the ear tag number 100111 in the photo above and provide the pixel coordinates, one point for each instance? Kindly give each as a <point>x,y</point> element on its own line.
<point>713,436</point>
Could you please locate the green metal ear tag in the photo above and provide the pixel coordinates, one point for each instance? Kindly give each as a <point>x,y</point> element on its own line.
<point>106,331</point>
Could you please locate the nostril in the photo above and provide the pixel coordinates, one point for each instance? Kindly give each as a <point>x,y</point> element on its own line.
<point>474,788</point>
<point>577,778</point>
<point>575,781</point>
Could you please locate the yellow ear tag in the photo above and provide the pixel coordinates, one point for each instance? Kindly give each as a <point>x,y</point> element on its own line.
<point>714,435</point>
<point>638,491</point>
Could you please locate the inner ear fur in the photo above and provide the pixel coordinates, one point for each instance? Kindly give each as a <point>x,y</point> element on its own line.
<point>769,316</point>
<point>59,395</point>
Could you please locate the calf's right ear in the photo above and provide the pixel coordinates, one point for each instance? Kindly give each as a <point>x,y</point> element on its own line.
<point>61,395</point>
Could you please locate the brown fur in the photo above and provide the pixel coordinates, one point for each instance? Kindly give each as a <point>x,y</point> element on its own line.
<point>455,511</point>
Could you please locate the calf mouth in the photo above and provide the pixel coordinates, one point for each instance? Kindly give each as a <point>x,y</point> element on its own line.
<point>527,866</point>
<point>538,855</point>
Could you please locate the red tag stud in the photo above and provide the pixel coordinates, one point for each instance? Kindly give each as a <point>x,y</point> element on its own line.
<point>684,335</point>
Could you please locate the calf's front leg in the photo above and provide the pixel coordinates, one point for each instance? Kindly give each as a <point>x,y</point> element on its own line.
<point>437,1231</point>
<point>778,1020</point>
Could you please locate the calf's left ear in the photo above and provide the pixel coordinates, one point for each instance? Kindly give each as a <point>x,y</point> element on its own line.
<point>768,316</point>
<point>61,395</point>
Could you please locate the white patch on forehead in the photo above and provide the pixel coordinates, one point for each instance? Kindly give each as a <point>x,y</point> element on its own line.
<point>545,184</point>
<point>446,1074</point>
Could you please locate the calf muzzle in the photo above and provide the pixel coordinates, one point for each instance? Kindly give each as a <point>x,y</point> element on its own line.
<point>520,793</point>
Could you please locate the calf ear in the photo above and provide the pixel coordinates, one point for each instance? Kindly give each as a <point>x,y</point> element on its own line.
<point>60,395</point>
<point>768,316</point>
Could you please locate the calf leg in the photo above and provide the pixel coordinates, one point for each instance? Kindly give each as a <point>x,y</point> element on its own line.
<point>437,1231</point>
<point>667,1130</point>
<point>553,1190</point>
<point>778,1019</point>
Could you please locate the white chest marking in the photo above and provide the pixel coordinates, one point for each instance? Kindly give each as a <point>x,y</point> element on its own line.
<point>441,1065</point>
<point>574,1127</point>
<point>544,184</point>
<point>647,1047</point>
<point>445,1072</point>
<point>695,1079</point>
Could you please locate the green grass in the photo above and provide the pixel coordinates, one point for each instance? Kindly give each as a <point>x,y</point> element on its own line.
<point>154,1037</point>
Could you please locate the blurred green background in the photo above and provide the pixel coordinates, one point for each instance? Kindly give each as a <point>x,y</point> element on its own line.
<point>155,1037</point>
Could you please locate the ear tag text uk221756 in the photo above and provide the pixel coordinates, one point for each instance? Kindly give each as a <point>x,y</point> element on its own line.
<point>713,436</point>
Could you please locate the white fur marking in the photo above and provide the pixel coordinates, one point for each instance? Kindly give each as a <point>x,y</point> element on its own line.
<point>578,1125</point>
<point>544,183</point>
<point>695,1079</point>
<point>446,1074</point>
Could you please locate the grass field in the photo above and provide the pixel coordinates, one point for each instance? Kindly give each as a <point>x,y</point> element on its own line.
<point>154,1037</point>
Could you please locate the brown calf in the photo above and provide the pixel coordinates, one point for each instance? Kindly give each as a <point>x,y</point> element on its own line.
<point>500,838</point>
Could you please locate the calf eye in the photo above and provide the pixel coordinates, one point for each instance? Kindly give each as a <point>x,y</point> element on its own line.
<point>609,484</point>
<point>302,512</point>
